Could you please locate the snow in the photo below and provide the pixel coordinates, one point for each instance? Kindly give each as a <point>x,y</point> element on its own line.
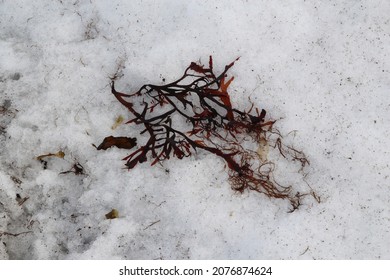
<point>320,67</point>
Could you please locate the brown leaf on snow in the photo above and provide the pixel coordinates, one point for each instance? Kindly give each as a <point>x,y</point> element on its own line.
<point>119,142</point>
<point>113,214</point>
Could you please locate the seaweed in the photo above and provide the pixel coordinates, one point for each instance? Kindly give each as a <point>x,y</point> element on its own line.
<point>212,124</point>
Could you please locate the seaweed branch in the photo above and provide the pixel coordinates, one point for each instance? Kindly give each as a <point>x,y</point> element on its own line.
<point>201,98</point>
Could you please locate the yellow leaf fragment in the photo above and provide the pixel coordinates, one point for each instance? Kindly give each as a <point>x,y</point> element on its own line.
<point>119,120</point>
<point>113,214</point>
<point>60,154</point>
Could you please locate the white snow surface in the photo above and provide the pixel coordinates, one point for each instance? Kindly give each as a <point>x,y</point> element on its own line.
<point>320,67</point>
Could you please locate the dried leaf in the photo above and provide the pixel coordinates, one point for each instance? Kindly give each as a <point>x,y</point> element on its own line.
<point>113,214</point>
<point>60,154</point>
<point>119,142</point>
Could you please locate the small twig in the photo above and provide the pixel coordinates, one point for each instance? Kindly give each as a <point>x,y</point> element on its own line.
<point>307,249</point>
<point>296,201</point>
<point>312,192</point>
<point>77,169</point>
<point>13,234</point>
<point>23,200</point>
<point>158,205</point>
<point>152,224</point>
